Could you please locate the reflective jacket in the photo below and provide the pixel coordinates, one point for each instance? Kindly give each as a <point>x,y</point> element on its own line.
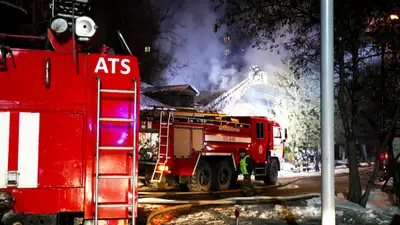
<point>246,165</point>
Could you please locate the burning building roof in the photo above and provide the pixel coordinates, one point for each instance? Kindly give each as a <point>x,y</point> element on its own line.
<point>171,88</point>
<point>145,101</point>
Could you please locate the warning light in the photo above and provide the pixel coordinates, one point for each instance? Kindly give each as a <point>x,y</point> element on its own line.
<point>394,17</point>
<point>384,156</point>
<point>162,168</point>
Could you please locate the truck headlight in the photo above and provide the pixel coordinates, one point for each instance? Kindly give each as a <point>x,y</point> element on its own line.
<point>85,27</point>
<point>59,25</point>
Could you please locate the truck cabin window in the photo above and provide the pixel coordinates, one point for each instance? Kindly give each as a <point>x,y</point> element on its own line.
<point>260,130</point>
<point>277,132</point>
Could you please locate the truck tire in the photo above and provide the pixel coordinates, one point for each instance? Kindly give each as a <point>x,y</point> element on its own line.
<point>202,178</point>
<point>222,176</point>
<point>271,170</point>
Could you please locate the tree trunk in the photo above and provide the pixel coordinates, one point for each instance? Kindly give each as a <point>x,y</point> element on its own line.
<point>348,117</point>
<point>354,176</point>
<point>364,152</point>
<point>383,143</point>
<point>343,152</point>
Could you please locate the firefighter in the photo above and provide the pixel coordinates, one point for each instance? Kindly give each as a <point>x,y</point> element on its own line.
<point>247,168</point>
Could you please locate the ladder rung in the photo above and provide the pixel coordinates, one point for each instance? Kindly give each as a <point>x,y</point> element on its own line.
<point>116,119</point>
<point>164,124</point>
<point>116,177</point>
<point>112,205</point>
<point>118,91</point>
<point>116,148</point>
<point>163,145</point>
<point>164,136</point>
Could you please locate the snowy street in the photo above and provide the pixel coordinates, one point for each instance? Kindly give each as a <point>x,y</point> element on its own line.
<point>378,209</point>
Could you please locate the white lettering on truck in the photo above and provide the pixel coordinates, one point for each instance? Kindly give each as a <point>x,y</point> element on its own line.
<point>102,65</point>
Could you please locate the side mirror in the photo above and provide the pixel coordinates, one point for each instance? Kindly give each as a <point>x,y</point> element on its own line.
<point>285,134</point>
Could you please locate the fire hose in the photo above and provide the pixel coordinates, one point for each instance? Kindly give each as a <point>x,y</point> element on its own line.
<point>187,204</point>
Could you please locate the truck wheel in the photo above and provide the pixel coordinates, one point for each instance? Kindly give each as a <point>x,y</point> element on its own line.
<point>202,177</point>
<point>272,172</point>
<point>222,176</point>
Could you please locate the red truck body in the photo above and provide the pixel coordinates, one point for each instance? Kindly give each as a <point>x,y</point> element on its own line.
<point>194,143</point>
<point>48,132</point>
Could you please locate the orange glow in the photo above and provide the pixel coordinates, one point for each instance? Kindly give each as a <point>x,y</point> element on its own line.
<point>394,17</point>
<point>163,168</point>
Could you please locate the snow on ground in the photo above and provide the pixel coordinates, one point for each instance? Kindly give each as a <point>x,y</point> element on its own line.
<point>304,212</point>
<point>278,214</point>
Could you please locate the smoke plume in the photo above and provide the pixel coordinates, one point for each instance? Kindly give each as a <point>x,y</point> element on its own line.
<point>203,52</point>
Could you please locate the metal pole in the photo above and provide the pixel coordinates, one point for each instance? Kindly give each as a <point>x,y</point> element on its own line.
<point>327,114</point>
<point>96,185</point>
<point>135,152</point>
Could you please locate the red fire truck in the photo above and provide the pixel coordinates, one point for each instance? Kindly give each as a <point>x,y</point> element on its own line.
<point>68,129</point>
<point>200,149</point>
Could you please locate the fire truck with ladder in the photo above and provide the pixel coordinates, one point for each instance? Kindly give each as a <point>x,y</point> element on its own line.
<point>199,148</point>
<point>68,126</point>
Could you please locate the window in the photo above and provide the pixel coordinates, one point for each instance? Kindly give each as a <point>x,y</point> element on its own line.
<point>227,38</point>
<point>277,132</point>
<point>260,130</point>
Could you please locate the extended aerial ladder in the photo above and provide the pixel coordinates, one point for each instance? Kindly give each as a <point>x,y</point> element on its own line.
<point>225,102</point>
<point>133,174</point>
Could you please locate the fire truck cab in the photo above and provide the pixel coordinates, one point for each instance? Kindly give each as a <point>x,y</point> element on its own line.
<point>200,149</point>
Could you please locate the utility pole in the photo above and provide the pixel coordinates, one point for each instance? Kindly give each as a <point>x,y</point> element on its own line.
<point>327,114</point>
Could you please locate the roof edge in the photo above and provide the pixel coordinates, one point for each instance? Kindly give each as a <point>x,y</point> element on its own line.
<point>195,90</point>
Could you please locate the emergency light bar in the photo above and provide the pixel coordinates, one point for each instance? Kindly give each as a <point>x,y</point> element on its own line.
<point>71,15</point>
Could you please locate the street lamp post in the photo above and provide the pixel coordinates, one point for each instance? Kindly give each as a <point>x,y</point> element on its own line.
<point>327,114</point>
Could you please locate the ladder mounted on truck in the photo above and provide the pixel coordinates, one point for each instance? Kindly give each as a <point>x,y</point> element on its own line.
<point>186,109</point>
<point>163,144</point>
<point>193,115</point>
<point>99,148</point>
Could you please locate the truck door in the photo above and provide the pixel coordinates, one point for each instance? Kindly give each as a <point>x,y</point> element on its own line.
<point>278,143</point>
<point>261,143</point>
